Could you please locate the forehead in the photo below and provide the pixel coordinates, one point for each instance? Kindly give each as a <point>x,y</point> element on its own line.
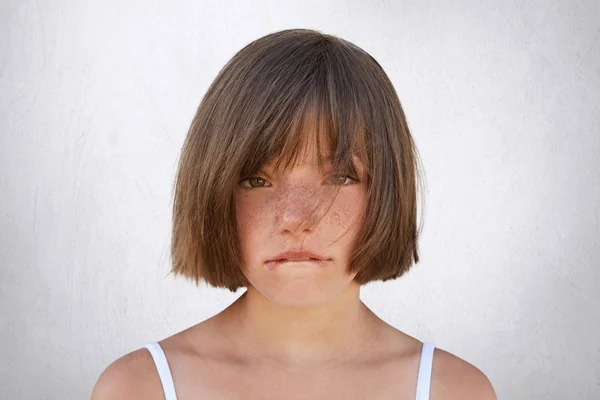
<point>314,138</point>
<point>308,156</point>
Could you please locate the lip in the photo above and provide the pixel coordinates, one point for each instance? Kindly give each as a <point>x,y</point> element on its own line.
<point>298,254</point>
<point>317,259</point>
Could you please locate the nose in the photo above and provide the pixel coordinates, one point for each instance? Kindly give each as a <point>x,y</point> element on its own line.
<point>295,212</point>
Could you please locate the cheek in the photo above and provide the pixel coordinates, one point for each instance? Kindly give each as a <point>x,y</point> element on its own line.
<point>347,211</point>
<point>252,216</point>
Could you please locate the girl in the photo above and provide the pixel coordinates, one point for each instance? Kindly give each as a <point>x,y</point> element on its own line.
<point>297,180</point>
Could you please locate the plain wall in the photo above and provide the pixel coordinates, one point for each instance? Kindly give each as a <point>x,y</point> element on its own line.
<point>502,98</point>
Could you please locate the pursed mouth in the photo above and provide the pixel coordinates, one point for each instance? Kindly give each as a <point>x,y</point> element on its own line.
<point>306,262</point>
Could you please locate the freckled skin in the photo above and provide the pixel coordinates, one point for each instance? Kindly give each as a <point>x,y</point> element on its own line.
<point>269,214</point>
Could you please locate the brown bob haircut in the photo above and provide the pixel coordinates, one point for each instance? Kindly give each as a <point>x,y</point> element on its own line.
<point>257,109</point>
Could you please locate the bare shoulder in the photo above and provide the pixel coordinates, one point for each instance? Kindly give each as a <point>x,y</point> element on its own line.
<point>455,378</point>
<point>132,376</point>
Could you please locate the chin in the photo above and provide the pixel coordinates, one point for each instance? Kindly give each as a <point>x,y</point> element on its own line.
<point>300,301</point>
<point>302,292</point>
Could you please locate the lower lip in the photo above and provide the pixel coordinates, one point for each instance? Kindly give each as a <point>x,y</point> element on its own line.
<point>310,263</point>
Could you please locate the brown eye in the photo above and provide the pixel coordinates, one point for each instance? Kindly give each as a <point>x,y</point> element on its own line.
<point>254,182</point>
<point>341,180</point>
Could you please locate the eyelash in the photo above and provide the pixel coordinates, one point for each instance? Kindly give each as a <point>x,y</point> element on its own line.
<point>354,180</point>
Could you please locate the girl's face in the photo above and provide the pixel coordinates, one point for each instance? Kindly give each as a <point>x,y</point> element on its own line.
<point>269,209</point>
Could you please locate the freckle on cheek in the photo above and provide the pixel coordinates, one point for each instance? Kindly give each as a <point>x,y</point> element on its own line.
<point>259,216</point>
<point>335,218</point>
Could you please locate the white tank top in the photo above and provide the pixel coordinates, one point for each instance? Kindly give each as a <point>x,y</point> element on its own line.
<point>423,380</point>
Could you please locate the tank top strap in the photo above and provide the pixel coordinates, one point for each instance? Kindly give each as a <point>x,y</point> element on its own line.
<point>160,360</point>
<point>425,366</point>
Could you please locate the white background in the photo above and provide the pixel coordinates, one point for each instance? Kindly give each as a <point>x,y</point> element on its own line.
<point>502,98</point>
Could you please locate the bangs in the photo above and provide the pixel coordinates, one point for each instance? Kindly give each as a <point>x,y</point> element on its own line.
<point>319,108</point>
<point>337,140</point>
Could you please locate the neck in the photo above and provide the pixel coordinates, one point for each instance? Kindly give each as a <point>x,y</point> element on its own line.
<point>329,333</point>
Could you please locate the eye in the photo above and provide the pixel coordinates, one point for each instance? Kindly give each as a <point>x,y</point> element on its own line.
<point>343,180</point>
<point>254,182</point>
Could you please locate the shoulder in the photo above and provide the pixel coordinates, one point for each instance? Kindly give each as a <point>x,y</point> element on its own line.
<point>455,378</point>
<point>132,376</point>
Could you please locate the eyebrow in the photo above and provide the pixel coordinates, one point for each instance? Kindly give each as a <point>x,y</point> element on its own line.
<point>329,159</point>
<point>356,166</point>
